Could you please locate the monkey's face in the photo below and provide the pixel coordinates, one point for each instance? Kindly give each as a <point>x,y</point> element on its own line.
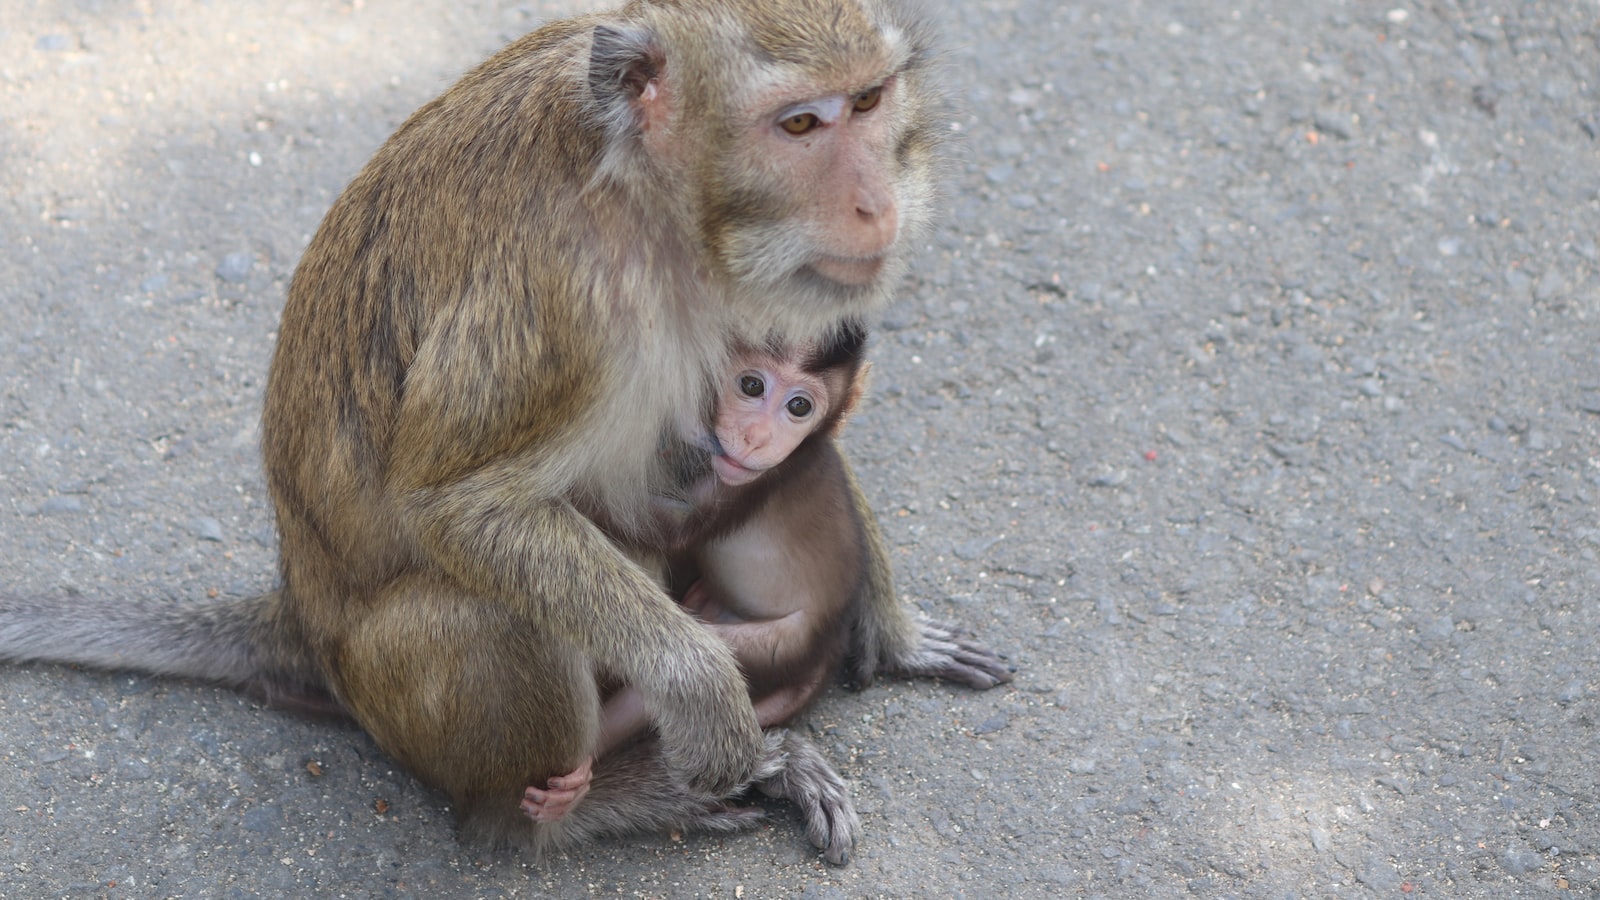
<point>819,174</point>
<point>816,197</point>
<point>763,413</point>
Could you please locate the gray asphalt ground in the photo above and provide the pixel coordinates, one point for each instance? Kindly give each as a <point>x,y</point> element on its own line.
<point>1247,394</point>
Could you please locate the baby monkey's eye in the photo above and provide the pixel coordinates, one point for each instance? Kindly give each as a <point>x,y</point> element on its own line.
<point>799,407</point>
<point>752,385</point>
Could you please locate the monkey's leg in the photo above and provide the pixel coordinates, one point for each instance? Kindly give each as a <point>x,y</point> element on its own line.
<point>887,638</point>
<point>490,708</point>
<point>634,791</point>
<point>783,703</point>
<point>623,718</point>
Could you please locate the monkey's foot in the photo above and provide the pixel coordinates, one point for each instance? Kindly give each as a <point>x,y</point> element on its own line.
<point>561,793</point>
<point>810,783</point>
<point>942,652</point>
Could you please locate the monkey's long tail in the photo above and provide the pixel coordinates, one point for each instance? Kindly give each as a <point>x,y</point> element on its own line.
<point>232,642</point>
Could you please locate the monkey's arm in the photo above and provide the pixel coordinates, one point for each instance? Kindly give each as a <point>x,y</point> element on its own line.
<point>887,638</point>
<point>771,649</point>
<point>783,703</point>
<point>563,577</point>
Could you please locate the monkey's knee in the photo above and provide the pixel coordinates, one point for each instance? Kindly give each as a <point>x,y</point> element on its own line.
<point>486,712</point>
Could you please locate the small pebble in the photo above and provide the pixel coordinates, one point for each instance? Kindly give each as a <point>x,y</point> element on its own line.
<point>235,267</point>
<point>1337,124</point>
<point>207,529</point>
<point>975,548</point>
<point>1109,479</point>
<point>1520,862</point>
<point>1379,875</point>
<point>61,505</point>
<point>1549,286</point>
<point>992,724</point>
<point>135,770</point>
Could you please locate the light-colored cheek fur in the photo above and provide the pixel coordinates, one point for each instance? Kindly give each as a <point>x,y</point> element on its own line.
<point>771,260</point>
<point>645,403</point>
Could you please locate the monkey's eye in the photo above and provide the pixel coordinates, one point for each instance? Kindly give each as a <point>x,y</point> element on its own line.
<point>752,385</point>
<point>800,123</point>
<point>867,100</point>
<point>799,406</point>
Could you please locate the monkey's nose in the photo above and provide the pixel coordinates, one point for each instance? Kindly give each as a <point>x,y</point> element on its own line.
<point>878,221</point>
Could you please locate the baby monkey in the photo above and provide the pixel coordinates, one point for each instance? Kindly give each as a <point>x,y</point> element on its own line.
<point>768,550</point>
<point>775,557</point>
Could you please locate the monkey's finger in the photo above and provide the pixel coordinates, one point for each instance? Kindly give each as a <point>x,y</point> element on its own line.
<point>959,660</point>
<point>976,678</point>
<point>981,659</point>
<point>567,796</point>
<point>576,779</point>
<point>935,628</point>
<point>837,850</point>
<point>551,806</point>
<point>828,813</point>
<point>536,805</point>
<point>969,675</point>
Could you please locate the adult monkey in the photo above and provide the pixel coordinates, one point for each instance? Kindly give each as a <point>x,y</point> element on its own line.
<point>496,325</point>
<point>528,287</point>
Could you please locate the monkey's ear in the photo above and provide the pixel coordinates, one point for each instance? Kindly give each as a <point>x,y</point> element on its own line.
<point>623,62</point>
<point>852,399</point>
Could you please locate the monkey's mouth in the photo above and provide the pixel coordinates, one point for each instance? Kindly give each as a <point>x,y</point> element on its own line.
<point>854,272</point>
<point>732,473</point>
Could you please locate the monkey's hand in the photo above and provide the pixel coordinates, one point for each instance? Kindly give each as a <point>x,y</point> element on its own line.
<point>702,711</point>
<point>562,793</point>
<point>697,599</point>
<point>941,651</point>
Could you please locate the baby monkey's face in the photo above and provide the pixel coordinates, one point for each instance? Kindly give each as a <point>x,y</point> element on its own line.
<point>765,410</point>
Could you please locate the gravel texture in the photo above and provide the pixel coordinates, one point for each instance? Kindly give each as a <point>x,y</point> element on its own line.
<point>1247,394</point>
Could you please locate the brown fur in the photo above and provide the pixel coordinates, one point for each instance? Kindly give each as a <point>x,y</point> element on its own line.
<point>498,323</point>
<point>786,567</point>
